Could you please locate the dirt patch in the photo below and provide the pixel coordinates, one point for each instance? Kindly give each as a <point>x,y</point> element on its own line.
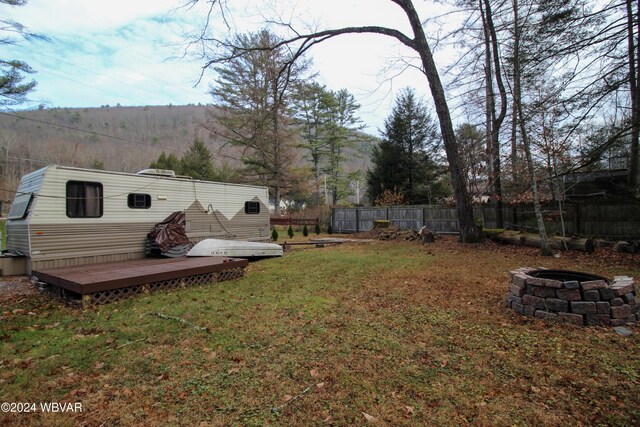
<point>13,288</point>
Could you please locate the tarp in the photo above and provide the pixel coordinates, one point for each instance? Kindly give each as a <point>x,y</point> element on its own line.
<point>170,232</point>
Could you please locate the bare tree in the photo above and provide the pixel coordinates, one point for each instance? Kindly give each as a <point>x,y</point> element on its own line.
<point>545,247</point>
<point>493,70</point>
<point>300,43</point>
<point>253,96</point>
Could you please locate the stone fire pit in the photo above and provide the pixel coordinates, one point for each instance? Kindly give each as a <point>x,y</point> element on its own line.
<point>573,297</point>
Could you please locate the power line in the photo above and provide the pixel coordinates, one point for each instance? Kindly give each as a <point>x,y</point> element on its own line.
<point>93,71</point>
<point>119,138</point>
<point>109,60</point>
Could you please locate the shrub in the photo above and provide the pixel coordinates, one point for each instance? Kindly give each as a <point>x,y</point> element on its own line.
<point>290,232</point>
<point>329,229</point>
<point>274,234</point>
<point>305,231</point>
<point>317,230</point>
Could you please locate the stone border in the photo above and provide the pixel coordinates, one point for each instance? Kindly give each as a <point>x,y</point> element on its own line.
<point>586,303</point>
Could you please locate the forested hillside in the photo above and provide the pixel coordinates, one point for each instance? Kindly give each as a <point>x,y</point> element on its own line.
<point>116,138</point>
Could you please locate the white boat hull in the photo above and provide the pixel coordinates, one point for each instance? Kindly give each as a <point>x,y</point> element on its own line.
<point>235,248</point>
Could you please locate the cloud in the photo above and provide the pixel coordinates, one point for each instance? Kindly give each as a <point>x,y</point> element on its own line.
<point>129,51</point>
<point>86,15</point>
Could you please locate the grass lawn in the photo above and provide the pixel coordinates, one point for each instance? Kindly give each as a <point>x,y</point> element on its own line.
<point>391,333</point>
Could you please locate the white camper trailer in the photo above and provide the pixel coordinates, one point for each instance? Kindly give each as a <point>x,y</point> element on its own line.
<point>64,216</point>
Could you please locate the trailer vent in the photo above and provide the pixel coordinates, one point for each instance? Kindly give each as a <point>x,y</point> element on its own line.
<point>157,172</point>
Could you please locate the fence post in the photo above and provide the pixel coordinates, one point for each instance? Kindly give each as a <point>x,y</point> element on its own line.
<point>424,216</point>
<point>576,218</point>
<point>333,213</point>
<point>357,219</point>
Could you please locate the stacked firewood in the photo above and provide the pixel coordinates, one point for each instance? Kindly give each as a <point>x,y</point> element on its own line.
<point>393,232</point>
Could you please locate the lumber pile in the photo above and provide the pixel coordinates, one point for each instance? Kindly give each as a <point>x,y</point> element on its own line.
<point>399,234</point>
<point>393,232</point>
<point>556,242</point>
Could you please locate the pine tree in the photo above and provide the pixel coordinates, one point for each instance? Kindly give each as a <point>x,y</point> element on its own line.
<point>274,234</point>
<point>253,95</point>
<point>13,88</point>
<point>170,162</point>
<point>290,232</point>
<point>405,161</point>
<point>305,231</point>
<point>317,229</point>
<point>196,162</point>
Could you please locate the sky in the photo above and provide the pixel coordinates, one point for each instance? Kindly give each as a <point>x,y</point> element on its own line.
<point>132,52</point>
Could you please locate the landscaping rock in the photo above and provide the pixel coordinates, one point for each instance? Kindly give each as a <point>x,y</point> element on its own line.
<point>603,307</point>
<point>533,281</point>
<point>574,319</point>
<point>621,330</point>
<point>616,302</point>
<point>618,322</point>
<point>549,283</point>
<point>620,312</point>
<point>519,279</point>
<point>597,320</point>
<point>572,284</point>
<point>591,295</point>
<point>541,314</point>
<point>583,307</point>
<point>569,294</point>
<point>620,289</point>
<point>591,302</point>
<point>530,300</point>
<point>540,291</point>
<point>593,284</point>
<point>557,305</point>
<point>629,298</point>
<point>606,294</point>
<point>517,290</point>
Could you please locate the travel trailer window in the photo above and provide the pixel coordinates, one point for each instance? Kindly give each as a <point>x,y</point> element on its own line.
<point>252,208</point>
<point>20,206</point>
<point>84,199</point>
<point>139,201</point>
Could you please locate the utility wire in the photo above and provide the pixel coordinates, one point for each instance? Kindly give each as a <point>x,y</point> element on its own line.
<point>93,71</point>
<point>85,131</point>
<point>111,61</point>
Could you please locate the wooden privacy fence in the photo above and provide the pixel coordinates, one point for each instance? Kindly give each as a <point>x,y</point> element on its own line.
<point>615,221</point>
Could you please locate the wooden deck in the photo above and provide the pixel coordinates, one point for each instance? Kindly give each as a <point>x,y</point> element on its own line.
<point>133,276</point>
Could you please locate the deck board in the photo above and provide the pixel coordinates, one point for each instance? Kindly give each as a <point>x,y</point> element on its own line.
<point>88,279</point>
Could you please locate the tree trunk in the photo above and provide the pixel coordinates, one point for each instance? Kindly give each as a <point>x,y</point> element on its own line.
<point>633,45</point>
<point>276,149</point>
<point>534,241</point>
<point>545,249</point>
<point>469,232</point>
<point>516,78</point>
<point>496,122</point>
<point>490,108</point>
<point>626,247</point>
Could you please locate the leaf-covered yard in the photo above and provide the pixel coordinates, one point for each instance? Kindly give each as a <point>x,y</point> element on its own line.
<point>387,332</point>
